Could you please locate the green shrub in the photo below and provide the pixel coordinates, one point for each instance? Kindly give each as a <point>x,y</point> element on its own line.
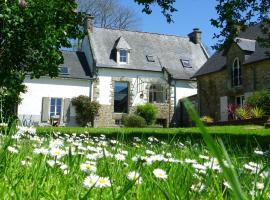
<point>148,111</point>
<point>243,112</point>
<point>86,110</point>
<point>260,99</point>
<point>257,112</point>
<point>134,121</point>
<point>207,119</point>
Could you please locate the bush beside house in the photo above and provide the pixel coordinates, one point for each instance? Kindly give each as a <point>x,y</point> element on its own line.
<point>134,121</point>
<point>147,111</point>
<point>86,110</point>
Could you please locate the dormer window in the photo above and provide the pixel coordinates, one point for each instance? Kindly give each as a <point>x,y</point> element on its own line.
<point>236,73</point>
<point>123,56</point>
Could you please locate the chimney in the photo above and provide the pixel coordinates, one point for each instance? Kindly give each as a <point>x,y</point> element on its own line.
<point>196,36</point>
<point>88,22</point>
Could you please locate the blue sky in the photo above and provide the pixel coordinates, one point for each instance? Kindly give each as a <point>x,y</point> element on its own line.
<point>191,14</point>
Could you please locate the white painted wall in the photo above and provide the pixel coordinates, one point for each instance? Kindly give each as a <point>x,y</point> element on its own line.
<point>31,104</point>
<point>185,89</point>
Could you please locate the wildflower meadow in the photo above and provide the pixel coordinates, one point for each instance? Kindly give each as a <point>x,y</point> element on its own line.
<point>81,166</point>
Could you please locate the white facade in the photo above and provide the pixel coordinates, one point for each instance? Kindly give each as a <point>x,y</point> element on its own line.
<point>140,79</point>
<point>30,109</point>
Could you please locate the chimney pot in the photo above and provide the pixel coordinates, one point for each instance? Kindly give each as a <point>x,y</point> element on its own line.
<point>196,36</point>
<point>89,20</point>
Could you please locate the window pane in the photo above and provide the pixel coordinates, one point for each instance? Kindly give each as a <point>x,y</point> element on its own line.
<point>123,56</point>
<point>52,101</point>
<point>121,97</point>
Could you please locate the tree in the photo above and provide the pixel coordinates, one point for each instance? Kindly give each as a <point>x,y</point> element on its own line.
<point>109,13</point>
<point>235,14</point>
<point>31,35</point>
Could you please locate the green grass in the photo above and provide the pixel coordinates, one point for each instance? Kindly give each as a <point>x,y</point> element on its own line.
<point>41,181</point>
<point>215,130</point>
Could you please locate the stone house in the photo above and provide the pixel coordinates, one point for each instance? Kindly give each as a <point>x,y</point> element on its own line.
<point>120,70</point>
<point>229,77</point>
<point>132,68</point>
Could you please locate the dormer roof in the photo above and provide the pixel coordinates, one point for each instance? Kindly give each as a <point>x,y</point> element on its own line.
<point>246,44</point>
<point>121,43</point>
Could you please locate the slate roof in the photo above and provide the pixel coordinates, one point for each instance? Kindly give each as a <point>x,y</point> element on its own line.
<point>77,63</point>
<point>247,42</point>
<point>167,50</point>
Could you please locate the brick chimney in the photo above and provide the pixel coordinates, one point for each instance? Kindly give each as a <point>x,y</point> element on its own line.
<point>195,36</point>
<point>88,22</point>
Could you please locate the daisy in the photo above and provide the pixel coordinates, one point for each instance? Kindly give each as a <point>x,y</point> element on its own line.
<point>87,167</point>
<point>119,157</point>
<point>134,176</point>
<point>103,182</point>
<point>159,173</point>
<point>90,181</point>
<point>56,152</point>
<point>12,149</point>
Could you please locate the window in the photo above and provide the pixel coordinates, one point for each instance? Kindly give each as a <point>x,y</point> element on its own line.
<point>56,107</point>
<point>236,73</point>
<point>186,63</point>
<point>123,56</point>
<point>121,97</point>
<point>118,122</point>
<point>63,71</point>
<point>150,58</point>
<point>240,100</point>
<point>157,94</point>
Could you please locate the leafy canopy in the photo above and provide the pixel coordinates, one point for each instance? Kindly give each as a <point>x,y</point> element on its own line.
<point>235,14</point>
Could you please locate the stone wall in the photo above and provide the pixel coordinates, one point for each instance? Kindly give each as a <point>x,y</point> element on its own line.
<point>212,86</point>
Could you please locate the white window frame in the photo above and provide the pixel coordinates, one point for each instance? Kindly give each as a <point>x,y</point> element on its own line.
<point>55,107</point>
<point>242,100</point>
<point>237,66</point>
<point>126,56</point>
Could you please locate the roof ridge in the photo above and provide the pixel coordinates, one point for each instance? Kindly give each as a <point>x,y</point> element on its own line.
<point>134,31</point>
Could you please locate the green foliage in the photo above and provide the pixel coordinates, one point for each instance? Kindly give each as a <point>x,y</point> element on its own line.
<point>166,6</point>
<point>134,121</point>
<point>148,111</point>
<point>260,99</point>
<point>234,15</point>
<point>31,35</point>
<point>243,113</point>
<point>207,119</point>
<point>86,110</point>
<point>257,112</point>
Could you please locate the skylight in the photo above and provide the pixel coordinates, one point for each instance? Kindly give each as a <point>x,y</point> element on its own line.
<point>186,63</point>
<point>63,71</point>
<point>150,58</point>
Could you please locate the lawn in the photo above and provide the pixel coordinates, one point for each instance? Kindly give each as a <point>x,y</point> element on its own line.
<point>215,130</point>
<point>88,165</point>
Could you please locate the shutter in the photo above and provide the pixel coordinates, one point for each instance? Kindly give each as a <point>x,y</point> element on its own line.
<point>66,110</point>
<point>224,108</point>
<point>45,109</point>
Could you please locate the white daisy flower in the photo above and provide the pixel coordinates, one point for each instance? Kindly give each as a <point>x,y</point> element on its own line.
<point>161,174</point>
<point>87,167</point>
<point>58,153</point>
<point>90,181</point>
<point>119,157</point>
<point>103,182</point>
<point>260,186</point>
<point>12,149</point>
<point>134,176</point>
